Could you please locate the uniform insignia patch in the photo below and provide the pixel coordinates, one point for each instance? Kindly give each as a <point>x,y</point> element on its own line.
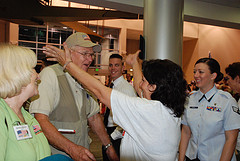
<point>213,108</point>
<point>236,109</point>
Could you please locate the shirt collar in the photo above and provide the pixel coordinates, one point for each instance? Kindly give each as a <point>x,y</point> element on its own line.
<point>14,118</point>
<point>73,80</point>
<point>209,95</point>
<point>118,80</point>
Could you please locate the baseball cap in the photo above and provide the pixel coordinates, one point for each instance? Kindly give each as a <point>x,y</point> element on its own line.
<point>83,40</point>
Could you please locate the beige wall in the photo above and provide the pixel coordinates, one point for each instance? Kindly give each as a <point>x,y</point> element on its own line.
<point>8,32</point>
<point>125,27</point>
<point>132,46</point>
<point>13,33</point>
<point>223,43</point>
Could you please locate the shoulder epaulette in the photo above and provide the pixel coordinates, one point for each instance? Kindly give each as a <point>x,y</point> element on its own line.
<point>225,94</point>
<point>193,92</point>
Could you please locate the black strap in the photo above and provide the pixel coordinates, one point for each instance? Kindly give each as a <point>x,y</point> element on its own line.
<point>6,123</point>
<point>105,120</point>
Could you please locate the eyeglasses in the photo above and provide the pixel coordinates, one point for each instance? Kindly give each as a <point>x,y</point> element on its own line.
<point>86,55</point>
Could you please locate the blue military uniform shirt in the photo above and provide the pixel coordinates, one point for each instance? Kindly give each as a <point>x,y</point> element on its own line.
<point>209,117</point>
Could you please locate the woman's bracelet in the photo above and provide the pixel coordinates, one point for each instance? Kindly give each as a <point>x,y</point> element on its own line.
<point>65,65</point>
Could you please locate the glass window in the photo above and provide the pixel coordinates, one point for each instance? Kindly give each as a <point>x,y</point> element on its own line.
<point>41,36</point>
<point>27,33</point>
<point>64,35</point>
<point>31,45</point>
<point>37,37</point>
<point>53,36</point>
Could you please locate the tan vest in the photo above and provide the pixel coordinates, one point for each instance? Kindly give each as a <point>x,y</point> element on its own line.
<point>67,116</point>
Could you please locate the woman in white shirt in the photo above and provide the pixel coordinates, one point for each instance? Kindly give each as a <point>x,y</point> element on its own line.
<point>151,123</point>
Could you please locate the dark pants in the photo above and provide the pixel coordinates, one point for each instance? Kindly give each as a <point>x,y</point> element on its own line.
<point>238,155</point>
<point>116,144</point>
<point>187,159</point>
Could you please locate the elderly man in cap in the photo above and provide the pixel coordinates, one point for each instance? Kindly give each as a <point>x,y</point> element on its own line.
<point>65,109</point>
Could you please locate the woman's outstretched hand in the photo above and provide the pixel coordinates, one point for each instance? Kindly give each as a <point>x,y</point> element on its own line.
<point>56,54</point>
<point>132,58</point>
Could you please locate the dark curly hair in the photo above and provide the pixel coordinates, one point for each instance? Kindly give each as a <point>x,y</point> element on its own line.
<point>170,83</point>
<point>233,70</point>
<point>214,67</point>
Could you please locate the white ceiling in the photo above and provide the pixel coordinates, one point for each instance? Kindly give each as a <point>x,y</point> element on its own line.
<point>225,13</point>
<point>230,3</point>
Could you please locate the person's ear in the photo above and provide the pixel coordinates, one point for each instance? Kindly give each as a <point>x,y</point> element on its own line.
<point>237,79</point>
<point>152,87</point>
<point>213,76</point>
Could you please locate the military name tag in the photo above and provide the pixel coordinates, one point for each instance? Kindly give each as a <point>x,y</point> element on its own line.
<point>193,107</point>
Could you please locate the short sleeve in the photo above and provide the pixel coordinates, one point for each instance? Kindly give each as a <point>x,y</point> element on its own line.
<point>120,108</point>
<point>129,90</point>
<point>3,136</point>
<point>94,109</point>
<point>184,118</point>
<point>231,115</point>
<point>132,113</point>
<point>49,93</point>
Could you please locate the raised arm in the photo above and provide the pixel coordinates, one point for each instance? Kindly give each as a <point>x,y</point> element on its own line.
<point>132,59</point>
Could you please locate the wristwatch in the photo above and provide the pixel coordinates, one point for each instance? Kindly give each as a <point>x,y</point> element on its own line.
<point>107,146</point>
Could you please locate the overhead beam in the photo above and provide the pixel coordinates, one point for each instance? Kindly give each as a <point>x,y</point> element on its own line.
<point>194,11</point>
<point>31,11</point>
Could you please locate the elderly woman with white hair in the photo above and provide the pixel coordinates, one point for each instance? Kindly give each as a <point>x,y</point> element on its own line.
<point>21,137</point>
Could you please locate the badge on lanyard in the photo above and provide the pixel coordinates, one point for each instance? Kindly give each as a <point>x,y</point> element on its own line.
<point>22,132</point>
